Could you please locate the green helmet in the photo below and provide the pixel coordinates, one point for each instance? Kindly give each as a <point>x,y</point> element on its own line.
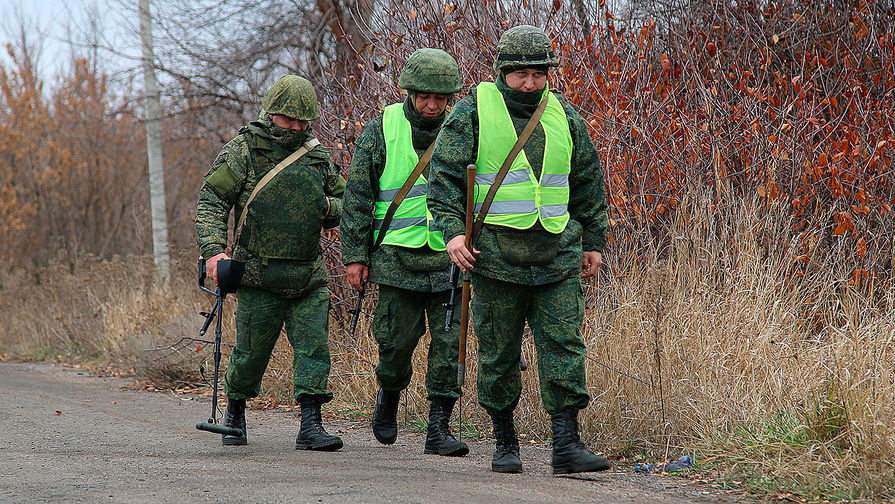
<point>430,71</point>
<point>524,46</point>
<point>292,96</point>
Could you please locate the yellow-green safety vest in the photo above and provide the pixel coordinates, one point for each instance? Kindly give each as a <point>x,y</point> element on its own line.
<point>412,225</point>
<point>521,200</point>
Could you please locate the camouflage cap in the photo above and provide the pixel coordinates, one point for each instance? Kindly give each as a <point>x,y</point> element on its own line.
<point>292,96</point>
<point>430,71</point>
<point>524,46</point>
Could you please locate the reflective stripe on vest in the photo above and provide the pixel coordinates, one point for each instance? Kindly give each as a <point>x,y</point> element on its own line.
<point>401,223</point>
<point>411,225</point>
<point>521,200</point>
<point>388,195</point>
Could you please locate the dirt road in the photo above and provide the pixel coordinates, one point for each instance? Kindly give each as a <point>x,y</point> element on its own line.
<point>71,437</point>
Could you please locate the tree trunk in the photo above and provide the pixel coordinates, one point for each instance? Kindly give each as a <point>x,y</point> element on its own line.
<point>154,149</point>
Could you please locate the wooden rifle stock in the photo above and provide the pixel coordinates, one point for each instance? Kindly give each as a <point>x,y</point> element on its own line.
<point>464,310</point>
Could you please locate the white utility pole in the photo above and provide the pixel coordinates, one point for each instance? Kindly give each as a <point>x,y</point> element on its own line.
<point>154,149</point>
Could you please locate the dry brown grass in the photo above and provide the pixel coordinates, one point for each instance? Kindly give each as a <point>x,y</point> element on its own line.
<point>787,380</point>
<point>700,336</point>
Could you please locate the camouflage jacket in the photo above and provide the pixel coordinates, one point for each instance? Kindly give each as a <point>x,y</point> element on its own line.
<point>423,269</point>
<point>505,252</point>
<point>228,184</point>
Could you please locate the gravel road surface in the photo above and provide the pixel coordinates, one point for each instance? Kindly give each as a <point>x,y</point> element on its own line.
<point>72,437</point>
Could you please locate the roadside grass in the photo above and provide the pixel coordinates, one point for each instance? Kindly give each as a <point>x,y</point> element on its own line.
<point>701,340</point>
<point>818,468</point>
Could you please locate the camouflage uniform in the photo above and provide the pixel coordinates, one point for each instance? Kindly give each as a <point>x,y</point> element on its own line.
<point>524,275</point>
<point>285,277</point>
<point>413,283</point>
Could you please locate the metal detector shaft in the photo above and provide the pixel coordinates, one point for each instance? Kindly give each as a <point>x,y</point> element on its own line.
<point>218,309</point>
<point>211,425</point>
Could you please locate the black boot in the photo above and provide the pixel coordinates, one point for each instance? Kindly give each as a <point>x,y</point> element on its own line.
<point>569,453</point>
<point>312,436</point>
<point>235,417</point>
<point>439,439</point>
<point>385,421</point>
<point>506,456</point>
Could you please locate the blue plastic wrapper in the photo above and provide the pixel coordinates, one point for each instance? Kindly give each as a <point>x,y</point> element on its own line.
<point>682,463</point>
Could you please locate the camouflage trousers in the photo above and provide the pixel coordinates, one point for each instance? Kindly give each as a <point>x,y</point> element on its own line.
<point>260,317</point>
<point>555,313</point>
<point>399,321</point>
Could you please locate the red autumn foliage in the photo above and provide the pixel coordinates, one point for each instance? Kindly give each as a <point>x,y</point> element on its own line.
<point>787,101</point>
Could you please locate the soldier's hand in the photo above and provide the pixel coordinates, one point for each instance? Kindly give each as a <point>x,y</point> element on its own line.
<point>591,263</point>
<point>211,266</point>
<point>357,274</point>
<point>459,254</point>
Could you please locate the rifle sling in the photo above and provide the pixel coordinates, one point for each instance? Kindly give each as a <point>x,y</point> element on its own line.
<point>505,167</point>
<point>304,149</point>
<point>402,193</point>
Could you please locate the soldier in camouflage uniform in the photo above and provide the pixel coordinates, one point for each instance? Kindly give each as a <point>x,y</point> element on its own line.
<point>411,266</point>
<point>285,276</point>
<point>544,232</point>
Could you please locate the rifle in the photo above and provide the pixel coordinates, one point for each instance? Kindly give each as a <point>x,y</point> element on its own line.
<point>464,307</point>
<point>449,315</point>
<point>229,274</point>
<point>355,313</point>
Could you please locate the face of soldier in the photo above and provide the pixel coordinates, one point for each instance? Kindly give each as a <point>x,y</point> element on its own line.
<point>526,80</point>
<point>288,122</point>
<point>430,105</point>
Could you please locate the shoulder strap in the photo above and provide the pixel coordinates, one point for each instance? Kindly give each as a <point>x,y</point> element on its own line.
<point>505,167</point>
<point>402,193</point>
<point>304,149</point>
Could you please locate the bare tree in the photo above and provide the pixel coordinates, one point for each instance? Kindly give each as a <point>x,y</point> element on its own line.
<point>154,149</point>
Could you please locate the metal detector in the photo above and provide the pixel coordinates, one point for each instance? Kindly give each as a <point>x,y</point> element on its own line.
<point>229,275</point>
